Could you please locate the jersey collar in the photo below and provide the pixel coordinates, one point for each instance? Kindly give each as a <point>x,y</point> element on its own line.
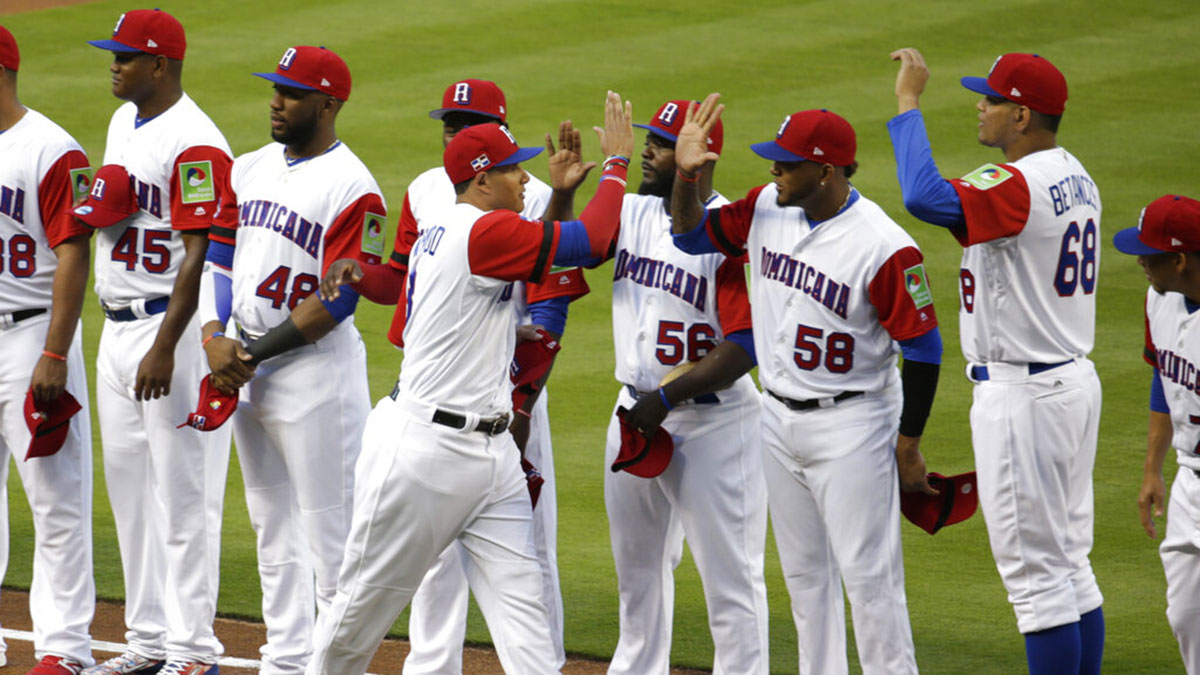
<point>812,224</point>
<point>294,161</point>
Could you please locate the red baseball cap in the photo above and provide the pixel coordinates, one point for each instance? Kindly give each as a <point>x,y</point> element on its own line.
<point>312,68</point>
<point>1026,79</point>
<point>667,122</point>
<point>481,147</point>
<point>10,56</point>
<point>482,97</point>
<point>532,358</point>
<point>957,500</point>
<point>1170,224</point>
<point>49,422</point>
<point>214,407</point>
<point>811,135</point>
<point>152,31</point>
<point>111,199</point>
<point>641,456</point>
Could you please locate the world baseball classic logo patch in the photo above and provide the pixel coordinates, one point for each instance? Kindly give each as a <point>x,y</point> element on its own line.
<point>81,182</point>
<point>987,177</point>
<point>917,286</point>
<point>196,182</point>
<point>372,234</point>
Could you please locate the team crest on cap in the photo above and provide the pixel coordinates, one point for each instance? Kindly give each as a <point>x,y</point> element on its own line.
<point>509,134</point>
<point>994,64</point>
<point>98,190</point>
<point>667,116</point>
<point>117,28</point>
<point>285,61</point>
<point>462,94</point>
<point>481,162</point>
<point>783,127</point>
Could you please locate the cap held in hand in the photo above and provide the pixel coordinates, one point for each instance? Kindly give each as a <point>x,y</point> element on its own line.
<point>641,456</point>
<point>214,407</point>
<point>49,422</point>
<point>957,500</point>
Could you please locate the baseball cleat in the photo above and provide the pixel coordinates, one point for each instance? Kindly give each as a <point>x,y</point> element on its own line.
<point>128,662</point>
<point>189,668</point>
<point>56,665</point>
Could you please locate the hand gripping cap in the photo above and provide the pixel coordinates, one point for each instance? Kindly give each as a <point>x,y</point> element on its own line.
<point>214,407</point>
<point>48,423</point>
<point>957,501</point>
<point>641,456</point>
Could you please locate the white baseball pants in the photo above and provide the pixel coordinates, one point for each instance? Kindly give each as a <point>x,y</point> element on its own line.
<point>1180,551</point>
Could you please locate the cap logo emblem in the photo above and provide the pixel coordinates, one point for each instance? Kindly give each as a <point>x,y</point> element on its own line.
<point>98,189</point>
<point>462,93</point>
<point>83,210</point>
<point>325,83</point>
<point>117,28</point>
<point>994,64</point>
<point>1015,93</point>
<point>818,152</point>
<point>667,116</point>
<point>285,61</point>
<point>151,43</point>
<point>783,127</point>
<point>1176,242</point>
<point>480,163</point>
<point>1141,217</point>
<point>509,134</point>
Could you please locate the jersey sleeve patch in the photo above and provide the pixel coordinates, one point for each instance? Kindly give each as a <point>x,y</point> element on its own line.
<point>987,177</point>
<point>372,234</point>
<point>196,182</point>
<point>917,285</point>
<point>81,183</point>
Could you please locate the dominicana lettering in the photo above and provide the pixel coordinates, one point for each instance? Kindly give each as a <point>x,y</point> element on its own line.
<point>807,279</point>
<point>1072,191</point>
<point>662,275</point>
<point>1179,370</point>
<point>279,218</point>
<point>12,203</point>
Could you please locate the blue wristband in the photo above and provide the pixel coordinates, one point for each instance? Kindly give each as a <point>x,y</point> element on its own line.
<point>663,395</point>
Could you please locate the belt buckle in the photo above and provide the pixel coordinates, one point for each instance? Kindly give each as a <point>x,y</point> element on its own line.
<point>497,425</point>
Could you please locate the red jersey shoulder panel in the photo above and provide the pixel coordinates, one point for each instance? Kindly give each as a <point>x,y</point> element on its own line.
<point>56,196</point>
<point>357,232</point>
<point>733,299</point>
<point>196,179</point>
<point>729,226</point>
<point>995,210</point>
<point>900,294</point>
<point>505,246</point>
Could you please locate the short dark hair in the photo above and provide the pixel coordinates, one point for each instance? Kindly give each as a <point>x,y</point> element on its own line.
<point>461,118</point>
<point>850,169</point>
<point>1044,121</point>
<point>461,187</point>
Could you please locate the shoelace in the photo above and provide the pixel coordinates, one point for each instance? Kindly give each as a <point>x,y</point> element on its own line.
<point>178,668</point>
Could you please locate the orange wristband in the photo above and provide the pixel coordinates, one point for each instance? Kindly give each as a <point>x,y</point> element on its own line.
<point>686,178</point>
<point>204,342</point>
<point>56,357</point>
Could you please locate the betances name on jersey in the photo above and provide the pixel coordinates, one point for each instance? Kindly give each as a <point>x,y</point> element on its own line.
<point>279,218</point>
<point>662,275</point>
<point>797,274</point>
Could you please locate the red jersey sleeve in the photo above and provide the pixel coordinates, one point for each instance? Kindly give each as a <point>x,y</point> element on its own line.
<point>558,283</point>
<point>995,203</point>
<point>195,181</point>
<point>225,222</point>
<point>1149,352</point>
<point>395,333</point>
<point>901,296</point>
<point>733,300</point>
<point>406,236</point>
<point>66,180</point>
<point>357,232</point>
<point>729,226</point>
<point>505,246</point>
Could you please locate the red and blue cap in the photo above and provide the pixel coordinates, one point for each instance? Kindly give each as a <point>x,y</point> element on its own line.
<point>110,200</point>
<point>152,31</point>
<point>667,122</point>
<point>1169,224</point>
<point>314,69</point>
<point>481,147</point>
<point>48,422</point>
<point>639,455</point>
<point>10,56</point>
<point>1024,79</point>
<point>481,97</point>
<point>956,501</point>
<point>814,136</point>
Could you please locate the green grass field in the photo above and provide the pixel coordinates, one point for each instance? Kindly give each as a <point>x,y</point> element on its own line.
<point>1131,70</point>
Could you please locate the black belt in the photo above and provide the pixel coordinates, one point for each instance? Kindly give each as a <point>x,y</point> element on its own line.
<point>491,426</point>
<point>702,398</point>
<point>22,314</point>
<point>811,403</point>
<point>155,306</point>
<point>980,373</point>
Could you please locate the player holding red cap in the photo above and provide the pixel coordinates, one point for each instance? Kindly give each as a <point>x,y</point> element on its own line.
<point>166,485</point>
<point>438,464</point>
<point>835,285</point>
<point>670,309</point>
<point>1030,232</point>
<point>289,210</point>
<point>1166,242</point>
<point>43,272</point>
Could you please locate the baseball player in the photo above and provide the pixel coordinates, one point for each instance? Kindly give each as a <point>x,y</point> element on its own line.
<point>1166,242</point>
<point>671,308</point>
<point>166,485</point>
<point>43,271</point>
<point>835,285</point>
<point>298,204</point>
<point>438,621</point>
<point>1030,231</point>
<point>438,464</point>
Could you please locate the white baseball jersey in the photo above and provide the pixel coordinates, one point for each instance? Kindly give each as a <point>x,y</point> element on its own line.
<point>1172,347</point>
<point>42,170</point>
<point>682,304</point>
<point>293,219</point>
<point>176,162</point>
<point>1031,259</point>
<point>830,300</point>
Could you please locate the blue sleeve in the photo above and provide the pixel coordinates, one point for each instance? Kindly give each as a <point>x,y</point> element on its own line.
<point>1158,398</point>
<point>926,348</point>
<point>551,313</point>
<point>745,340</point>
<point>344,305</point>
<point>220,253</point>
<point>926,194</point>
<point>573,247</point>
<point>696,242</point>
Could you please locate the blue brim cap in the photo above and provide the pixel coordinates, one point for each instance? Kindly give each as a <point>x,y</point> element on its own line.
<point>1127,241</point>
<point>285,81</point>
<point>442,112</point>
<point>519,156</point>
<point>112,46</point>
<point>658,132</point>
<point>775,152</point>
<point>979,85</point>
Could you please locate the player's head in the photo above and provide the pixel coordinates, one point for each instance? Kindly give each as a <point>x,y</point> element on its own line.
<point>311,84</point>
<point>1166,242</point>
<point>483,162</point>
<point>658,154</point>
<point>1022,93</point>
<point>467,103</point>
<point>10,58</point>
<point>148,47</point>
<point>813,152</point>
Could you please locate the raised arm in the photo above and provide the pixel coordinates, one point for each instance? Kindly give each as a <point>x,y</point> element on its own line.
<point>691,153</point>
